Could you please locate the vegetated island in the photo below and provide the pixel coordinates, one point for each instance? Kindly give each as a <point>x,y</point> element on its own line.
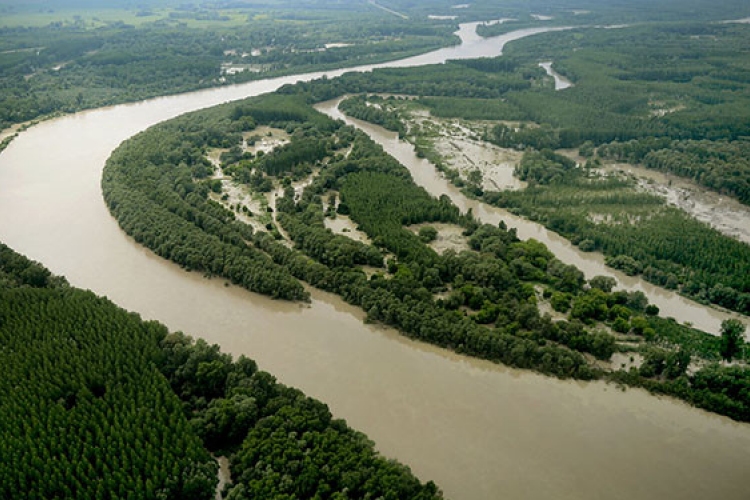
<point>689,118</point>
<point>192,190</point>
<point>97,403</point>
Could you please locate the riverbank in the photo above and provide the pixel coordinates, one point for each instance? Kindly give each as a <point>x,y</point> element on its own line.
<point>9,134</point>
<point>592,264</point>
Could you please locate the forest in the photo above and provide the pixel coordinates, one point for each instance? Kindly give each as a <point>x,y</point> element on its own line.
<point>84,411</point>
<point>97,403</point>
<point>483,301</point>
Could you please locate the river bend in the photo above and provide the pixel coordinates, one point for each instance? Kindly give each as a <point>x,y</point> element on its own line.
<point>479,430</point>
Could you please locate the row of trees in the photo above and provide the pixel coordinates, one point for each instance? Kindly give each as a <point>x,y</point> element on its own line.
<point>452,79</point>
<point>17,271</point>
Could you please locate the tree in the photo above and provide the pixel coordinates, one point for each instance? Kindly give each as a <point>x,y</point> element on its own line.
<point>603,283</point>
<point>427,234</point>
<point>732,331</point>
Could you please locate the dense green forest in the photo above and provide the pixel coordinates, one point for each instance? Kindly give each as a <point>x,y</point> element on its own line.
<point>96,403</point>
<point>484,301</point>
<point>85,413</point>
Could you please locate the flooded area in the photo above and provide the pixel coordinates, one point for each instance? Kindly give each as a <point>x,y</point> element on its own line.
<point>264,139</point>
<point>224,475</point>
<point>344,226</point>
<point>592,264</point>
<point>460,147</point>
<point>449,237</point>
<point>723,213</point>
<point>479,430</point>
<point>256,209</point>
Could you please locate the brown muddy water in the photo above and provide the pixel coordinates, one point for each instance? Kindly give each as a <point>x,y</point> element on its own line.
<point>479,430</point>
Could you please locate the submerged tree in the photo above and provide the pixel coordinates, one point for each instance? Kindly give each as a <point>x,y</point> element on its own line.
<point>732,331</point>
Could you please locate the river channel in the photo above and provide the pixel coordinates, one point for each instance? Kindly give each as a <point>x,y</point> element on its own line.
<point>480,430</point>
<point>426,175</point>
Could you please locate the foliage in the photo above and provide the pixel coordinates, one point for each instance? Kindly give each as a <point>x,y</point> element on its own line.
<point>471,108</point>
<point>84,413</point>
<point>427,234</point>
<point>715,388</point>
<point>16,271</point>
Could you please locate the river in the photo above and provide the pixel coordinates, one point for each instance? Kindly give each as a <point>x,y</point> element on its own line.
<point>479,430</point>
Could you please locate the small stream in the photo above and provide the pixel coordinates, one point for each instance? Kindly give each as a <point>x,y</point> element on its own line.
<point>561,83</point>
